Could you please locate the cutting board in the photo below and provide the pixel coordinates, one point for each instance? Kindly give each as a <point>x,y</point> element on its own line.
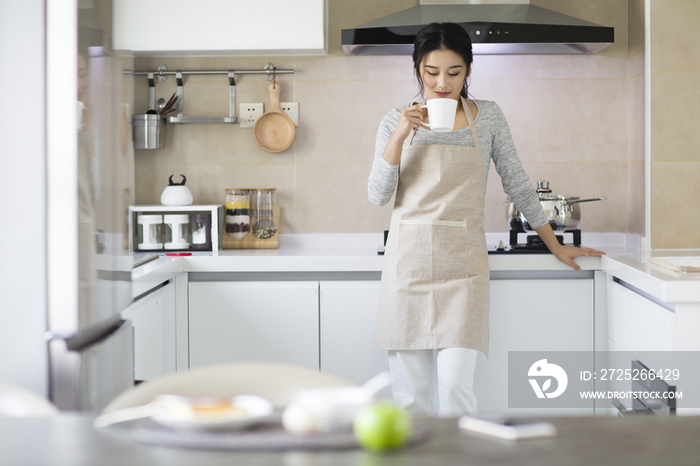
<point>678,263</point>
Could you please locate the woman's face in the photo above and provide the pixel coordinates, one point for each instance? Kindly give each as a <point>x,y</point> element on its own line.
<point>443,73</point>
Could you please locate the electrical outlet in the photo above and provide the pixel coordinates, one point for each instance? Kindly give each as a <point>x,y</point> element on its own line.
<point>249,113</point>
<point>292,111</point>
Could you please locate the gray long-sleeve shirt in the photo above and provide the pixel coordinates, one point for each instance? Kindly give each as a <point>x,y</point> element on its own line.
<point>496,144</point>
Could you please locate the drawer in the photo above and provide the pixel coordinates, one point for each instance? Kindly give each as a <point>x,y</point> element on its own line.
<point>654,326</point>
<point>620,310</point>
<point>637,323</point>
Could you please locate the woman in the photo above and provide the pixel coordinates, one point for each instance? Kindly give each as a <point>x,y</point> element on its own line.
<point>435,280</point>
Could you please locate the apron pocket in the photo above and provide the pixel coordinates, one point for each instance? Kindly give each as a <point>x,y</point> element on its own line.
<point>434,249</point>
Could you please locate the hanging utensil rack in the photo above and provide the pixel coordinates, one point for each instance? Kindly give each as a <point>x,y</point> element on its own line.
<point>162,74</point>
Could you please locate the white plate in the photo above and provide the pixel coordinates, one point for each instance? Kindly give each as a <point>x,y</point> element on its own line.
<point>182,412</point>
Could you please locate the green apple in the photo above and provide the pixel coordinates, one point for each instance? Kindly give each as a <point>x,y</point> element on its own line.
<point>382,426</point>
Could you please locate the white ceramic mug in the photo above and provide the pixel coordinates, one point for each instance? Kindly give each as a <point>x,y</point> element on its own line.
<point>442,114</point>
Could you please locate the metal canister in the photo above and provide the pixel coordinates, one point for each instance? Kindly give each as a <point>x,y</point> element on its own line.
<point>149,131</point>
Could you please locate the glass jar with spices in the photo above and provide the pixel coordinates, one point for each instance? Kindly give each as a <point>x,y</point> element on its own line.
<point>237,213</point>
<point>264,204</point>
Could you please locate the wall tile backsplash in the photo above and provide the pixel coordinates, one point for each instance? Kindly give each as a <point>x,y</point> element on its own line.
<point>675,117</point>
<point>574,119</point>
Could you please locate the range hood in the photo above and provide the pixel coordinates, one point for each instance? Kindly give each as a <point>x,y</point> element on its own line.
<point>494,29</point>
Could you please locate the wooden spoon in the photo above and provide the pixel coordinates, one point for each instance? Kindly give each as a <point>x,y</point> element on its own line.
<point>274,130</point>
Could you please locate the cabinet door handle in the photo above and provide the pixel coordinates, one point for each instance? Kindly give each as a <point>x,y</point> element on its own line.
<point>89,336</point>
<point>623,411</point>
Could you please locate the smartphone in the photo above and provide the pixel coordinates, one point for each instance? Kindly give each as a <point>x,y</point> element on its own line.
<point>511,428</point>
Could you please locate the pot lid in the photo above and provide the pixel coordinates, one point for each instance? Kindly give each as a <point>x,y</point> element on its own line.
<point>544,193</point>
<point>555,197</point>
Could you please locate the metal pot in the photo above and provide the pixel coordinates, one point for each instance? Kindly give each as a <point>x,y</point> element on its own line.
<point>563,212</point>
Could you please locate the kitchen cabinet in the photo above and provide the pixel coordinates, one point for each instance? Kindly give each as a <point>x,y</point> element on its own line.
<point>638,329</point>
<point>154,321</point>
<point>653,316</point>
<point>348,319</point>
<point>246,321</point>
<point>220,27</point>
<point>326,324</point>
<point>330,324</point>
<point>532,315</point>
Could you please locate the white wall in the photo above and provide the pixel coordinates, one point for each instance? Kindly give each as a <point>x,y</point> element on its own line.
<point>23,354</point>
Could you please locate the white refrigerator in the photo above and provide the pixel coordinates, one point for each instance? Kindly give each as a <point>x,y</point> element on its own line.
<point>89,186</point>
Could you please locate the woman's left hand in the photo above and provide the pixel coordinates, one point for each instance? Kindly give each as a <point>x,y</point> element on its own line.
<point>567,254</point>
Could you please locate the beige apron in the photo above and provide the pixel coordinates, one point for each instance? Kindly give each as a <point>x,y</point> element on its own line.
<point>435,278</point>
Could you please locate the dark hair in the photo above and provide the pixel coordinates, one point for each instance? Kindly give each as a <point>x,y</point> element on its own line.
<point>442,36</point>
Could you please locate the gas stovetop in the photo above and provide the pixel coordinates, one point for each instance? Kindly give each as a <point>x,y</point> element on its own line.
<point>533,244</point>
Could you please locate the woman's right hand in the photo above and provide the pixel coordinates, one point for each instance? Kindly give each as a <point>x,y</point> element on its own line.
<point>411,118</point>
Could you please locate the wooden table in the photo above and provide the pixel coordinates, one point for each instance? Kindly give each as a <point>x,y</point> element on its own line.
<point>70,440</point>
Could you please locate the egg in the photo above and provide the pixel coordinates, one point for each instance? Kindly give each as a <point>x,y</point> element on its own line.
<point>299,420</point>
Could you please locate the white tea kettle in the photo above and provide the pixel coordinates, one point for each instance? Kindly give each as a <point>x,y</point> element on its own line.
<point>176,193</point>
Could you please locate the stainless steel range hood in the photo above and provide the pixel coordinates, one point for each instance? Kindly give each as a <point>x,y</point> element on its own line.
<point>494,29</point>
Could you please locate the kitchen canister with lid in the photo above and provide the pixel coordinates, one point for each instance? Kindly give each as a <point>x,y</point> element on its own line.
<point>176,228</point>
<point>237,213</point>
<point>150,232</point>
<point>264,203</point>
<point>252,219</point>
<point>177,231</point>
<point>201,231</point>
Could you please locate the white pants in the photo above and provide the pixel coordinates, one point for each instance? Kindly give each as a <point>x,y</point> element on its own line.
<point>413,384</point>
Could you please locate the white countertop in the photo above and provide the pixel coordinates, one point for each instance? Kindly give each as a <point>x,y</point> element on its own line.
<point>336,253</point>
<point>319,253</point>
<point>358,253</point>
<point>635,268</point>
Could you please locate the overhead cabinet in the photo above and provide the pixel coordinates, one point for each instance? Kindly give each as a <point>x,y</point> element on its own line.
<point>220,27</point>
